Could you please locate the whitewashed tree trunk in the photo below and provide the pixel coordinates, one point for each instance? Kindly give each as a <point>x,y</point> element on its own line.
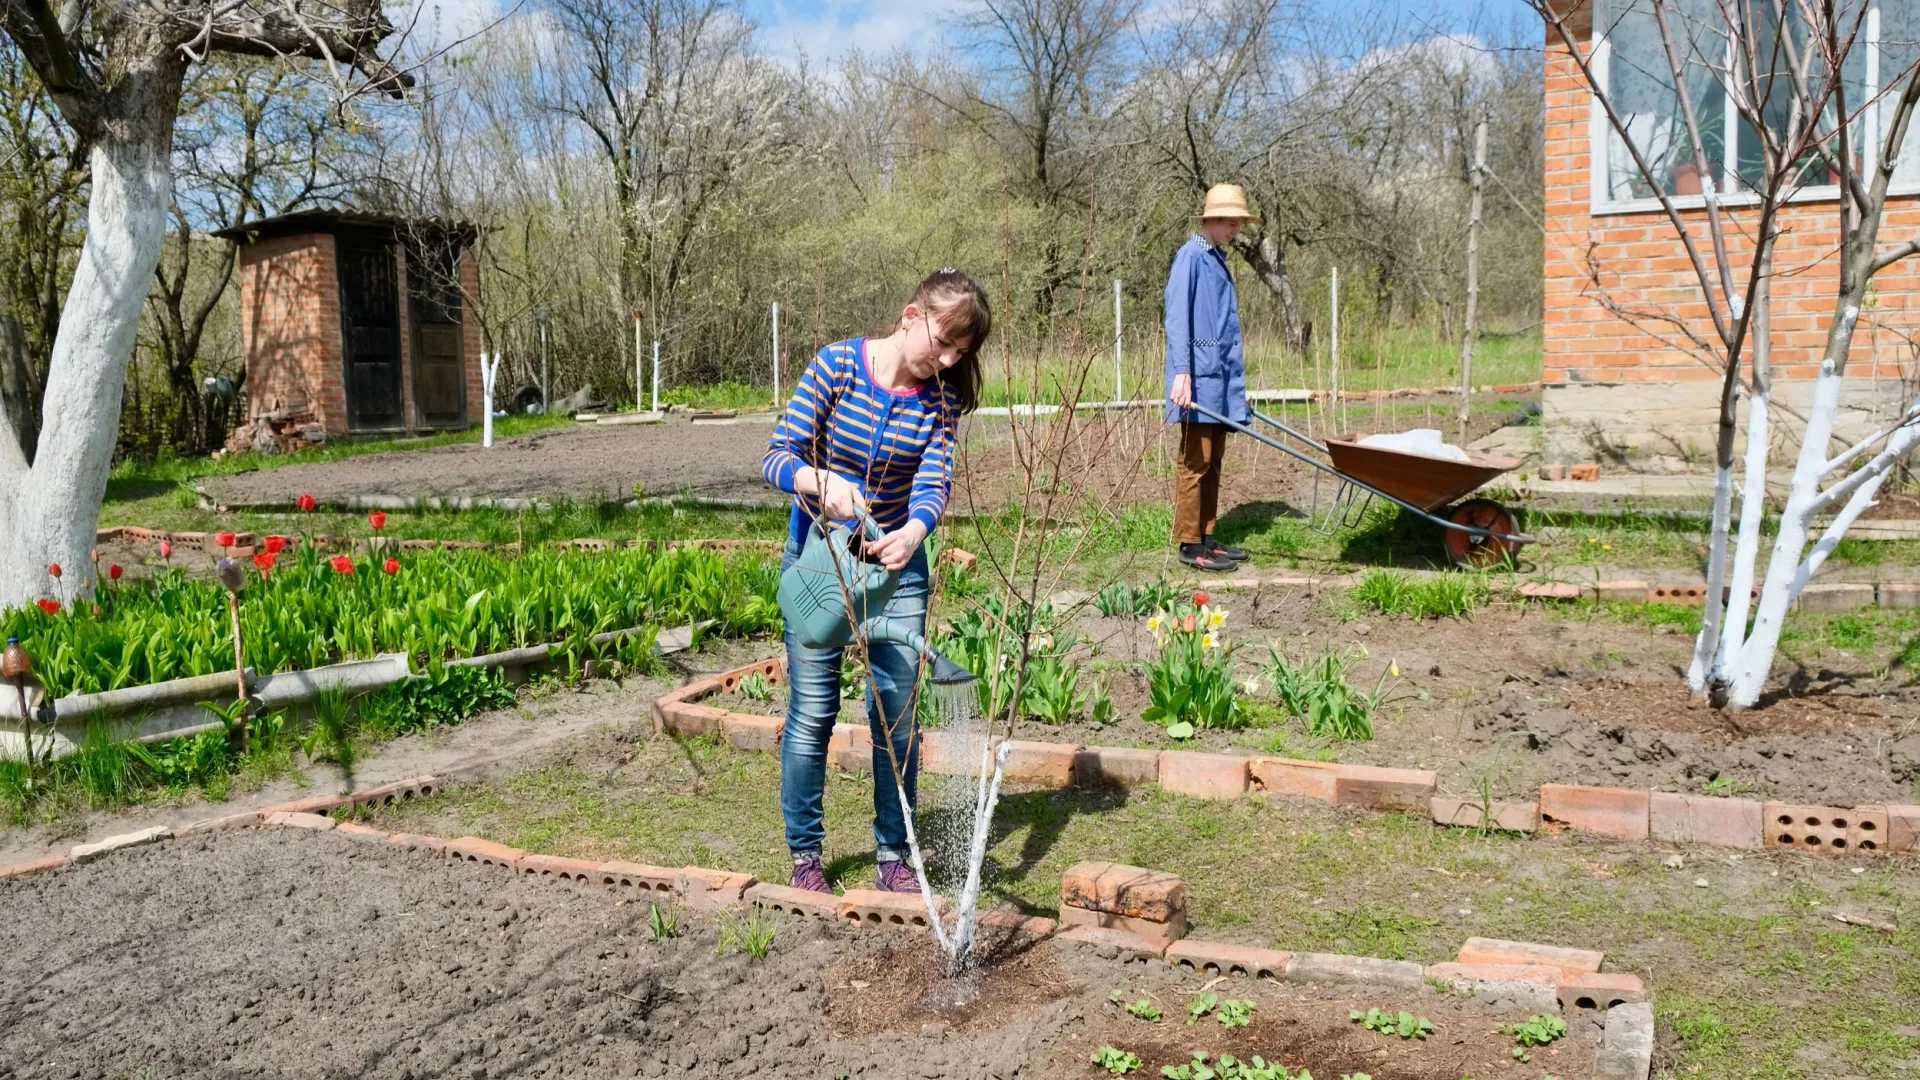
<point>48,512</point>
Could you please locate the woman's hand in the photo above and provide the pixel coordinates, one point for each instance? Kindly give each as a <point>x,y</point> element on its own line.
<point>894,549</point>
<point>841,499</point>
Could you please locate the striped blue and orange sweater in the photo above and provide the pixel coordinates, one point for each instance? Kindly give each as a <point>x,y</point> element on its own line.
<point>897,445</point>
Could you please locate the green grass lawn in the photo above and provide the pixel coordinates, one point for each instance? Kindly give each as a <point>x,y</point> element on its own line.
<point>1751,975</point>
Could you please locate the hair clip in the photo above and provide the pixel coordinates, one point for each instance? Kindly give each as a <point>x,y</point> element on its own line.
<point>947,270</point>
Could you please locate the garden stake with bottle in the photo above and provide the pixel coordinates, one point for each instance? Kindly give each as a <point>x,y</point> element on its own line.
<point>233,579</point>
<point>15,665</point>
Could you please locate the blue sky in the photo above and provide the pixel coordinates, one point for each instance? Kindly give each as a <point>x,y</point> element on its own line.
<point>824,28</point>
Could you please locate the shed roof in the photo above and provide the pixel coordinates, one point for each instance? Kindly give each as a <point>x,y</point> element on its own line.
<point>332,221</point>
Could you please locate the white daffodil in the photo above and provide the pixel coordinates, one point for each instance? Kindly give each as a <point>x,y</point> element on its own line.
<point>1153,623</point>
<point>1252,685</point>
<point>1210,641</point>
<point>1217,616</point>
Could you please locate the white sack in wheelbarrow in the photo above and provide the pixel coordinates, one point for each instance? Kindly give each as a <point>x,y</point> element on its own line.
<point>1426,442</point>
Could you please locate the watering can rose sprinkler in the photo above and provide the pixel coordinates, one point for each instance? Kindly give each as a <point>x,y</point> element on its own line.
<point>830,597</point>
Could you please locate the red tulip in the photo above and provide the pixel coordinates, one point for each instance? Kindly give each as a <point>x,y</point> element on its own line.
<point>113,571</point>
<point>54,569</point>
<point>166,549</point>
<point>264,560</point>
<point>305,502</point>
<point>225,540</point>
<point>342,563</point>
<point>96,609</point>
<point>51,607</point>
<point>391,566</point>
<point>273,544</point>
<point>377,519</point>
<point>1200,598</point>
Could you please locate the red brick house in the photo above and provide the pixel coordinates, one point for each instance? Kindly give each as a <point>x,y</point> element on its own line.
<point>355,323</point>
<point>1628,393</point>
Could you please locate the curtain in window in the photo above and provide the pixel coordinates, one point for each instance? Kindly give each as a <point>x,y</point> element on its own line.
<point>1640,83</point>
<point>1899,55</point>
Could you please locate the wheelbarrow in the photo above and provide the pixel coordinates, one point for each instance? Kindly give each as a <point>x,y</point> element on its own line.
<point>1477,532</point>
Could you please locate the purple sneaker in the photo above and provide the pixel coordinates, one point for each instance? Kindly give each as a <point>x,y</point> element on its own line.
<point>895,875</point>
<point>808,875</point>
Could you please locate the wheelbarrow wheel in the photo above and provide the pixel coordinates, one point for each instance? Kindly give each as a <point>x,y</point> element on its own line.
<point>1468,549</point>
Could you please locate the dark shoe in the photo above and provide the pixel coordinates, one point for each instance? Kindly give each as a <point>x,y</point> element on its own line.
<point>1200,559</point>
<point>895,875</point>
<point>1215,547</point>
<point>808,875</point>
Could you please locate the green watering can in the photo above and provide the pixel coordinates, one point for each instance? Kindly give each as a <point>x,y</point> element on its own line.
<point>830,589</point>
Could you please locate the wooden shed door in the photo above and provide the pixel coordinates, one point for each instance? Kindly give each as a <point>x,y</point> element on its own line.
<point>433,299</point>
<point>370,331</point>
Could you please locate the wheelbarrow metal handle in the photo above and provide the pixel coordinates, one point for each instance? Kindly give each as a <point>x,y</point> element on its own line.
<point>1471,530</point>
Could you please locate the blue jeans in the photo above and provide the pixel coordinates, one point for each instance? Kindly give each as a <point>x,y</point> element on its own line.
<point>813,704</point>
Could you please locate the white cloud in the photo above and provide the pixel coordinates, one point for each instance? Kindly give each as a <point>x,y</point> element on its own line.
<point>821,31</point>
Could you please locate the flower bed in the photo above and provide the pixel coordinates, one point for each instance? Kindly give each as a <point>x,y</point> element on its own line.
<point>302,610</point>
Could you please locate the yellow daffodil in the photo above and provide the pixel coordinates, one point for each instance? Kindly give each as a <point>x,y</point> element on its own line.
<point>1393,668</point>
<point>1606,547</point>
<point>1216,617</point>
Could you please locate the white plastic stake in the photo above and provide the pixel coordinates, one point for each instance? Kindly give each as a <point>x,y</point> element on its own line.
<point>656,376</point>
<point>489,367</point>
<point>1333,347</point>
<point>1116,341</point>
<point>636,363</point>
<point>546,382</point>
<point>776,354</point>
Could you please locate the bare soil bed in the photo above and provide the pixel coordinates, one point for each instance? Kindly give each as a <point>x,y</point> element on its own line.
<point>257,953</point>
<point>1519,696</point>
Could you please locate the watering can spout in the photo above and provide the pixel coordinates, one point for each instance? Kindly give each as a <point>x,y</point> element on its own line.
<point>940,670</point>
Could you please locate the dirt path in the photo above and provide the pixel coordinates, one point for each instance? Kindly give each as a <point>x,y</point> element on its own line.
<point>490,744</point>
<point>583,463</point>
<point>1129,454</point>
<point>285,954</point>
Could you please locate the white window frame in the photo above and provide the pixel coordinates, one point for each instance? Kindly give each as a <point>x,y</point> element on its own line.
<point>1600,130</point>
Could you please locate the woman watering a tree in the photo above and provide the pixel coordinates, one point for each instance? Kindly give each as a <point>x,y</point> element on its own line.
<point>871,431</point>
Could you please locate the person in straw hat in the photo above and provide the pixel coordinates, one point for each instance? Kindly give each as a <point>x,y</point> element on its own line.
<point>1205,368</point>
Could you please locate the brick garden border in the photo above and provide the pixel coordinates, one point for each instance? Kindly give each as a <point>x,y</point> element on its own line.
<point>1619,813</point>
<point>1540,976</point>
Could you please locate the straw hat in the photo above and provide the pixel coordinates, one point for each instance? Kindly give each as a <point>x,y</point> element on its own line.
<point>1226,201</point>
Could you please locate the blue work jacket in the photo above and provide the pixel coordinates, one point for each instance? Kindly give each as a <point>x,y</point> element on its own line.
<point>1203,333</point>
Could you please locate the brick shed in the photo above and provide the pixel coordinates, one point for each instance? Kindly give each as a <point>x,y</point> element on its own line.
<point>354,323</point>
<point>1626,393</point>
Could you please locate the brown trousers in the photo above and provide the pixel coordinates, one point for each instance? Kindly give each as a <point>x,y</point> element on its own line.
<point>1196,481</point>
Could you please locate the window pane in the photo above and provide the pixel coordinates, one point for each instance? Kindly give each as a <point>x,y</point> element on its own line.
<point>1640,83</point>
<point>1774,61</point>
<point>1899,53</point>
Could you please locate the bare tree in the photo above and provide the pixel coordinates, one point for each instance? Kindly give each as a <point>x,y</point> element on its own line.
<point>43,182</point>
<point>116,75</point>
<point>1786,70</point>
<point>255,138</point>
<point>1056,66</point>
<point>679,110</point>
